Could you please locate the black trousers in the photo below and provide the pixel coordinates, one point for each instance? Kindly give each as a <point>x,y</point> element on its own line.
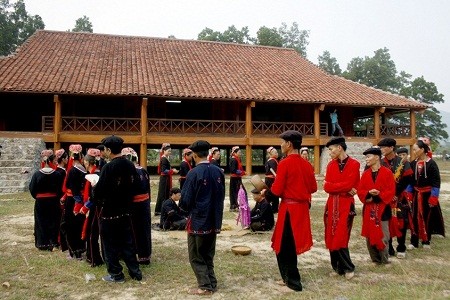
<point>118,242</point>
<point>202,249</point>
<point>341,261</point>
<point>287,258</point>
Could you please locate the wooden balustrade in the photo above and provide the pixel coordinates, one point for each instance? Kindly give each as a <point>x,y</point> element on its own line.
<point>178,126</point>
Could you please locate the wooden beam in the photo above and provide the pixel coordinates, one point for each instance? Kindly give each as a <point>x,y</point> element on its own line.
<point>382,109</point>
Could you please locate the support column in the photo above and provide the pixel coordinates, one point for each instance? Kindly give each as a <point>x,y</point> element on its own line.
<point>57,121</point>
<point>144,129</point>
<point>317,110</point>
<point>248,134</point>
<point>376,124</point>
<point>413,133</point>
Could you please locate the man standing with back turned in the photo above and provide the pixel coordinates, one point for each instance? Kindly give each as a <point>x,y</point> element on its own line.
<point>114,194</point>
<point>203,196</point>
<point>294,184</point>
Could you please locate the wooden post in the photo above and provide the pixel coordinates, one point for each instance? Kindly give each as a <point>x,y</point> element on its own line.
<point>413,133</point>
<point>144,129</point>
<point>317,110</point>
<point>248,134</point>
<point>376,124</point>
<point>57,123</point>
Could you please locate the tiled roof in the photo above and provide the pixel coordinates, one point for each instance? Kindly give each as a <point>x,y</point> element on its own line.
<point>100,64</point>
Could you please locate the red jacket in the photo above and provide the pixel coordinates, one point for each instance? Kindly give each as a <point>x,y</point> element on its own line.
<point>294,184</point>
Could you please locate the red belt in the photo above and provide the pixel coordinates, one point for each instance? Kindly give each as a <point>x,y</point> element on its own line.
<point>342,195</point>
<point>293,201</point>
<point>141,197</point>
<point>45,195</point>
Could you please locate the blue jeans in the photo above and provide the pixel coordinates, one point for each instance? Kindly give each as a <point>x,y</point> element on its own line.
<point>335,126</point>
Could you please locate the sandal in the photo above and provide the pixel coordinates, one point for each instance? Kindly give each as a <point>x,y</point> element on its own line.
<point>200,292</point>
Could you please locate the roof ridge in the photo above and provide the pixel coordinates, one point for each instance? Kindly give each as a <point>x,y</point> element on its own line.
<point>165,38</point>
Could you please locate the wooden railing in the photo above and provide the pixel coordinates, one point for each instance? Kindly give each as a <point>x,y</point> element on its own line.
<point>386,130</point>
<point>177,126</point>
<point>84,124</point>
<point>208,127</point>
<point>279,127</point>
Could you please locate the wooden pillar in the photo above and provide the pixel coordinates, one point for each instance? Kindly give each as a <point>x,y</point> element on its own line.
<point>376,124</point>
<point>248,134</point>
<point>413,133</point>
<point>144,129</point>
<point>317,110</point>
<point>57,120</point>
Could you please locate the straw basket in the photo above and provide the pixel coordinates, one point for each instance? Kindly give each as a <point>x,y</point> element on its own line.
<point>241,250</point>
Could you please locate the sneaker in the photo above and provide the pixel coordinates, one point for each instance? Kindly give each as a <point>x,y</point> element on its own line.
<point>426,246</point>
<point>411,247</point>
<point>401,255</point>
<point>349,275</point>
<point>109,278</point>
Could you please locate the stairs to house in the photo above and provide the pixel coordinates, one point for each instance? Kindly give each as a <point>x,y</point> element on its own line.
<point>354,149</point>
<point>20,158</point>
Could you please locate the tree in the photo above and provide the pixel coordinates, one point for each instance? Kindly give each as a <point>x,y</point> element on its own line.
<point>329,64</point>
<point>269,37</point>
<point>380,72</point>
<point>428,123</point>
<point>285,37</point>
<point>83,25</point>
<point>231,35</point>
<point>16,25</point>
<point>294,37</point>
<point>208,34</point>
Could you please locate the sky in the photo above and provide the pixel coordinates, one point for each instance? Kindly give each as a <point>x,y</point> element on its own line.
<point>416,32</point>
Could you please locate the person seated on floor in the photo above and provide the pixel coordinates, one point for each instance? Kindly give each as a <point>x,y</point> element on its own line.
<point>172,216</point>
<point>261,216</point>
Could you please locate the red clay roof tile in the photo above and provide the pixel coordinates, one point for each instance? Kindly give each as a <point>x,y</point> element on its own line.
<point>100,64</point>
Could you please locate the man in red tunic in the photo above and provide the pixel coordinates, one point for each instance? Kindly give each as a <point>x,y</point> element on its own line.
<point>341,181</point>
<point>294,184</point>
<point>376,190</point>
